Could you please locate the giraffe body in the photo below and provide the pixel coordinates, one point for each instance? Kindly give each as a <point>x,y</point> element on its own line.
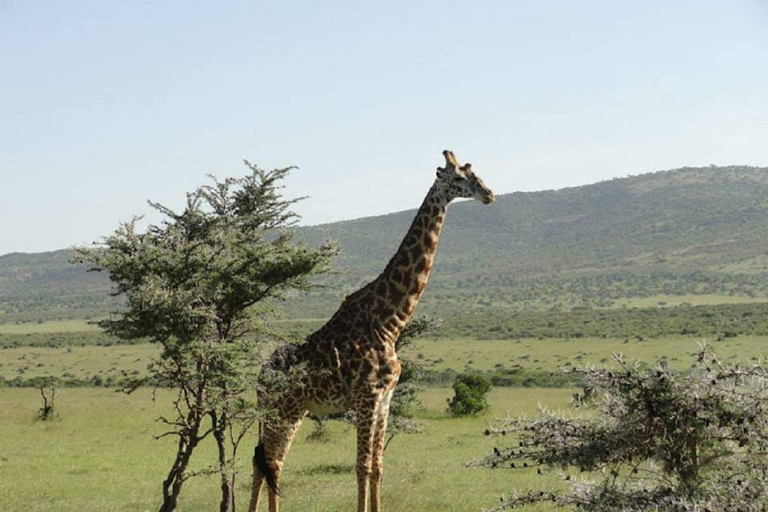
<point>350,363</point>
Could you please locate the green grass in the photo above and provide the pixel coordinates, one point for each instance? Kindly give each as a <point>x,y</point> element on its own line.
<point>76,362</point>
<point>530,354</point>
<point>679,300</point>
<point>101,456</point>
<point>52,326</point>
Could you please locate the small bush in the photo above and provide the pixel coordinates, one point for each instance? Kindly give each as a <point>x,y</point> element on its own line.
<point>48,411</point>
<point>470,392</point>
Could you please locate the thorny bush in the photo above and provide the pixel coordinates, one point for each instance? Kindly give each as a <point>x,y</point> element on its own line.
<point>658,440</point>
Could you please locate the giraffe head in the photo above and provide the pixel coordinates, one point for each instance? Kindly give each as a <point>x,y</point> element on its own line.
<point>461,181</point>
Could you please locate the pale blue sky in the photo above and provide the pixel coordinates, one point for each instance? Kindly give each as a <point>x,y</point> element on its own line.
<point>106,104</point>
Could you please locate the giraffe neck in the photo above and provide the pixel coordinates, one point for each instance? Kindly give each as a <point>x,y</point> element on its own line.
<point>402,282</point>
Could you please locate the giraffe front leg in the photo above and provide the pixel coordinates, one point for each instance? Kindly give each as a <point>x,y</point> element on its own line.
<point>365,412</point>
<point>377,463</point>
<point>364,452</point>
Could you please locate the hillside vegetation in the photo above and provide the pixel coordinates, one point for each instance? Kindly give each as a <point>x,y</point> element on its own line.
<point>686,232</point>
<point>45,286</point>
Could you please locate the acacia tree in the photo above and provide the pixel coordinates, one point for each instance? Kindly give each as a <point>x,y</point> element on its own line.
<point>661,440</point>
<point>196,284</point>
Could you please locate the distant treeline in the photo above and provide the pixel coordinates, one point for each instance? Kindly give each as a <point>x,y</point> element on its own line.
<point>516,377</point>
<point>713,322</point>
<point>96,381</point>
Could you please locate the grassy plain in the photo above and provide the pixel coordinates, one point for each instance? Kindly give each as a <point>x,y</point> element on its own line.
<point>76,362</point>
<point>530,354</point>
<point>100,456</point>
<point>52,326</point>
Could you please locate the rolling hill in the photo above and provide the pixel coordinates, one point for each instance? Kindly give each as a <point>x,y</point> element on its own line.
<point>691,231</point>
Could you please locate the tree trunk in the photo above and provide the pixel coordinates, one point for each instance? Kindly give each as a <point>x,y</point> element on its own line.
<point>227,496</point>
<point>188,440</point>
<point>172,484</point>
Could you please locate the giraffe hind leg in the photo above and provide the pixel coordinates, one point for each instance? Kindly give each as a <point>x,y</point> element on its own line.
<point>260,463</point>
<point>269,457</point>
<point>261,472</point>
<point>258,481</point>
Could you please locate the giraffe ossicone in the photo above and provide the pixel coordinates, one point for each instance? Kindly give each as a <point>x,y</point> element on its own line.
<point>350,363</point>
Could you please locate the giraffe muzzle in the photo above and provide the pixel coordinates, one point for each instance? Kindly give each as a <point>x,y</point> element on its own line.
<point>489,198</point>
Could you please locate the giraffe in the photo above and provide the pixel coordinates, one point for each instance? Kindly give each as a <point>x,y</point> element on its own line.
<point>350,363</point>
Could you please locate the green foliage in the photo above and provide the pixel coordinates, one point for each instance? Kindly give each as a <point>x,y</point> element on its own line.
<point>205,268</point>
<point>662,440</point>
<point>469,395</point>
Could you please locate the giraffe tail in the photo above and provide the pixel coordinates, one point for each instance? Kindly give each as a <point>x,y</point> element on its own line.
<point>260,461</point>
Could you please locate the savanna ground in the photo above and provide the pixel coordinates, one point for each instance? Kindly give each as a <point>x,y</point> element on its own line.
<point>101,454</point>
